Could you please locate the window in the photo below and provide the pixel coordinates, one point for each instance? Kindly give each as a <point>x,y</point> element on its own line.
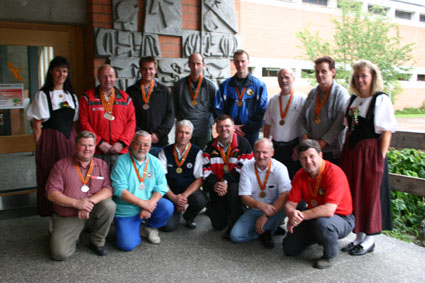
<point>403,15</point>
<point>317,2</point>
<point>307,73</point>
<point>379,10</point>
<point>422,18</point>
<point>270,72</point>
<point>421,77</point>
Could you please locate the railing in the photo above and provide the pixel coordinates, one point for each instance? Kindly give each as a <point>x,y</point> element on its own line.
<point>402,183</point>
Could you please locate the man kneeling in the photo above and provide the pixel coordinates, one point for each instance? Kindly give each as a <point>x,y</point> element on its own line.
<point>80,189</point>
<point>324,187</point>
<point>139,184</point>
<point>264,185</point>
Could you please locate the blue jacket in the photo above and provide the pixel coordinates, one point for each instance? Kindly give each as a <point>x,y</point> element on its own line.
<point>254,103</point>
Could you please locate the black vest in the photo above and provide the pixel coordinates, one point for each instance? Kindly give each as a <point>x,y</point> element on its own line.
<point>179,182</point>
<point>365,128</point>
<point>60,119</point>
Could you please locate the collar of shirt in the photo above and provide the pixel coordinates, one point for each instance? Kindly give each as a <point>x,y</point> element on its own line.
<point>222,145</point>
<point>180,155</point>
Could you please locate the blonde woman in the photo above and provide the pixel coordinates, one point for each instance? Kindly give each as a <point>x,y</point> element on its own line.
<point>371,122</point>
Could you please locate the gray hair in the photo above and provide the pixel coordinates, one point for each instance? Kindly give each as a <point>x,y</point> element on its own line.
<point>185,123</point>
<point>142,133</point>
<point>305,145</point>
<point>85,135</point>
<point>264,140</point>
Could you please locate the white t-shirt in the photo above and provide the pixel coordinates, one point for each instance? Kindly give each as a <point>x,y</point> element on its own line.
<point>39,107</point>
<point>384,112</point>
<point>277,183</point>
<point>290,130</point>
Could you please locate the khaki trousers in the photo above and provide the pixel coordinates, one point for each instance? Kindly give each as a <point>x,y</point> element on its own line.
<point>67,230</point>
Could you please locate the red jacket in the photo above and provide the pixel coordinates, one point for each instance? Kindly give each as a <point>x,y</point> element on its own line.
<point>121,129</point>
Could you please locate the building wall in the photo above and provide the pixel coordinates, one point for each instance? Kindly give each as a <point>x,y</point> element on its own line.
<point>269,27</point>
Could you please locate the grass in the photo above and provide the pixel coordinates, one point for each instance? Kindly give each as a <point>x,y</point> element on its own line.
<point>410,112</point>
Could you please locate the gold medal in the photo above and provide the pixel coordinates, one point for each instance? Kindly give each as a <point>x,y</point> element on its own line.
<point>240,103</point>
<point>314,202</point>
<point>145,106</point>
<point>262,194</point>
<point>142,186</point>
<point>317,120</point>
<point>282,122</point>
<point>194,102</point>
<point>226,168</point>
<point>179,170</point>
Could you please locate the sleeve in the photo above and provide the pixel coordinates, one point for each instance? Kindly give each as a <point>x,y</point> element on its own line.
<point>76,108</point>
<point>384,115</point>
<point>168,121</point>
<point>119,176</point>
<point>197,170</point>
<point>209,177</point>
<point>212,90</point>
<point>338,123</point>
<point>282,178</point>
<point>128,132</point>
<point>245,184</point>
<point>161,185</point>
<point>304,121</point>
<point>55,182</point>
<point>163,160</point>
<point>256,119</point>
<point>106,175</point>
<point>219,101</point>
<point>39,108</point>
<point>175,97</point>
<point>245,154</point>
<point>268,116</point>
<point>295,194</point>
<point>85,119</point>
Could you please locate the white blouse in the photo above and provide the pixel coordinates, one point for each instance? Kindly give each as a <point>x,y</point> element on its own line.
<point>384,112</point>
<point>39,107</point>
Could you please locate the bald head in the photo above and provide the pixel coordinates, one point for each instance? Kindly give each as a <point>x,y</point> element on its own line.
<point>286,79</point>
<point>196,65</point>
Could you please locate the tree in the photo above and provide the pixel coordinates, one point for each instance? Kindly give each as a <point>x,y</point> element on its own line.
<point>362,35</point>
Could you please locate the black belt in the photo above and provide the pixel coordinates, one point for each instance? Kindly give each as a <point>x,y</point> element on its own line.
<point>289,143</point>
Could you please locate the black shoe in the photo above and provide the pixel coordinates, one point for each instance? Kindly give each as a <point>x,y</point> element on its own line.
<point>189,223</point>
<point>323,263</point>
<point>100,251</point>
<point>280,231</point>
<point>349,247</point>
<point>267,240</point>
<point>226,234</point>
<point>359,250</point>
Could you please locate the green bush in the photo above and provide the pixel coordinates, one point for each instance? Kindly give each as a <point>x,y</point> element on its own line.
<point>408,209</point>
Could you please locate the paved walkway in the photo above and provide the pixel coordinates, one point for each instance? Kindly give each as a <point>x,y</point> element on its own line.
<point>411,124</point>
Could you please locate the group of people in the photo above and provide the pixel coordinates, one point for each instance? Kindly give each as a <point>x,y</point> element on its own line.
<point>121,168</point>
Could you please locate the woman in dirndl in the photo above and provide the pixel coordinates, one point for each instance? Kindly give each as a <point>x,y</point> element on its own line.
<point>371,122</point>
<point>53,111</point>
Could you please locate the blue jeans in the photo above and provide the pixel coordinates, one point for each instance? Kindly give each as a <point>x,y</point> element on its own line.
<point>127,229</point>
<point>244,229</point>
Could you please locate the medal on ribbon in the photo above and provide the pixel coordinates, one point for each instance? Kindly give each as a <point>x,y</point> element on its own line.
<point>84,181</point>
<point>240,95</point>
<point>141,179</point>
<point>313,201</point>
<point>226,157</point>
<point>263,185</point>
<point>198,87</point>
<point>108,105</point>
<point>284,113</point>
<point>147,97</point>
<point>180,162</point>
<point>319,105</point>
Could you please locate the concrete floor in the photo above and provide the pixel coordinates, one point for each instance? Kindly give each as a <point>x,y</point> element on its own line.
<point>199,255</point>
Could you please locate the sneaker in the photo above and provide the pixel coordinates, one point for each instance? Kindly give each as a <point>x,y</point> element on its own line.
<point>267,239</point>
<point>323,263</point>
<point>152,234</point>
